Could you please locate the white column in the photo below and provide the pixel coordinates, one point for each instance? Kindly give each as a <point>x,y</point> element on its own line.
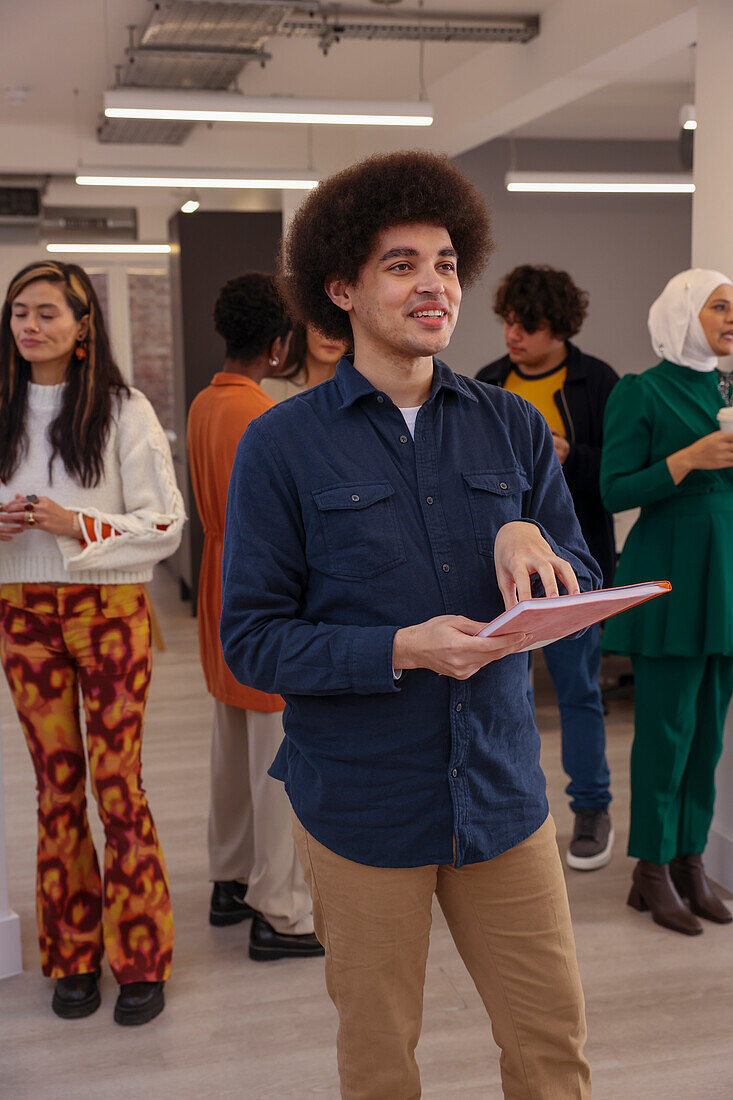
<point>119,319</point>
<point>291,200</point>
<point>10,954</point>
<point>712,246</point>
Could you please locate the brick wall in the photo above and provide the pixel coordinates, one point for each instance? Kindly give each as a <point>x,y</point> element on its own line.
<point>151,340</point>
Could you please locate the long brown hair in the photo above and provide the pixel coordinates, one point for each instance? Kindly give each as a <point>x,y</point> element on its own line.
<point>80,431</point>
<point>295,359</point>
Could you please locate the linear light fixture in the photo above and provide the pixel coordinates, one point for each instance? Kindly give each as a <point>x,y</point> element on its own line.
<point>202,106</point>
<point>116,249</point>
<point>600,183</point>
<point>195,183</point>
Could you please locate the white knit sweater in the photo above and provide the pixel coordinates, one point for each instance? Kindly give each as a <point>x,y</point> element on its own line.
<point>136,494</point>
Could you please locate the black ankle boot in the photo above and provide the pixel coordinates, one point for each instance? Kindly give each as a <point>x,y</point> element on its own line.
<point>139,1002</point>
<point>77,995</point>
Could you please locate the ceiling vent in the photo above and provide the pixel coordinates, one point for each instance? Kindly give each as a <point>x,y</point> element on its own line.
<point>89,223</point>
<point>20,206</point>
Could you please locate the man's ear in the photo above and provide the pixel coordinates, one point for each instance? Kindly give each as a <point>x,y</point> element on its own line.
<point>339,291</point>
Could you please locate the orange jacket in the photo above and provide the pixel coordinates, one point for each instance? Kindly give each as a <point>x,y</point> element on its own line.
<point>217,420</point>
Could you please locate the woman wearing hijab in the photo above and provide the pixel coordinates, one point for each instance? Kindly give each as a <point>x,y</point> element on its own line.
<point>88,505</point>
<point>663,452</point>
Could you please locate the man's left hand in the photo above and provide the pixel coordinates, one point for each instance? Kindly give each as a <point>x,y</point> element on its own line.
<point>519,551</point>
<point>562,447</point>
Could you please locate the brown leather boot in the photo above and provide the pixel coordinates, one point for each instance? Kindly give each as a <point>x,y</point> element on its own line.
<point>688,876</point>
<point>653,889</point>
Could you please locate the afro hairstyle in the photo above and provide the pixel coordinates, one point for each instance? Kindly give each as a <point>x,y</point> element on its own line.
<point>334,230</point>
<point>535,294</point>
<point>249,314</point>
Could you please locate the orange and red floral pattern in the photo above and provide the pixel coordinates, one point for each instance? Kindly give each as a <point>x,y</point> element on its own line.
<point>56,640</point>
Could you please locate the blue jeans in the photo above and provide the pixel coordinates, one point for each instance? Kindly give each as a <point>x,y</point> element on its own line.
<point>574,665</point>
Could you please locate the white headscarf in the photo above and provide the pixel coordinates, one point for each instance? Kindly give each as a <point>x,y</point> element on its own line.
<point>674,324</point>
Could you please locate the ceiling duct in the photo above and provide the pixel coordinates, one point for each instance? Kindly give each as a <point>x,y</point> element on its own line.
<point>89,223</point>
<point>205,44</point>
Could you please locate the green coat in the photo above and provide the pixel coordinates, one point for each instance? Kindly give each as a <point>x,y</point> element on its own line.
<point>685,531</point>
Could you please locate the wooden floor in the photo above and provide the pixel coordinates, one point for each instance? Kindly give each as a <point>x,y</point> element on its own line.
<point>660,1006</point>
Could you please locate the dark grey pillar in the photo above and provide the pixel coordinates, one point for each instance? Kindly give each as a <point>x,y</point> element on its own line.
<point>208,249</point>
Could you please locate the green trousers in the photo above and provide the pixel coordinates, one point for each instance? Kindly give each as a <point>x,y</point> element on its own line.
<point>680,709</point>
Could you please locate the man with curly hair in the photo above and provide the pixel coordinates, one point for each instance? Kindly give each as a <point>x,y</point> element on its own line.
<point>541,308</point>
<point>252,861</point>
<point>374,524</point>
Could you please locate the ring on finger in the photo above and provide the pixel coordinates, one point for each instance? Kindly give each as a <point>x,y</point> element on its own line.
<point>30,518</point>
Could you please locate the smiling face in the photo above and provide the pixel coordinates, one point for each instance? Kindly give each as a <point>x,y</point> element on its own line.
<point>404,304</point>
<point>45,329</point>
<point>716,318</point>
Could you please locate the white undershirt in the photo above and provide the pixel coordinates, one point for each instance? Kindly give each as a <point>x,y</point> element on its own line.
<point>410,416</point>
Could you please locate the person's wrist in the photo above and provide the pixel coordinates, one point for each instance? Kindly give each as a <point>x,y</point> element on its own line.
<point>74,525</point>
<point>680,465</point>
<point>401,650</point>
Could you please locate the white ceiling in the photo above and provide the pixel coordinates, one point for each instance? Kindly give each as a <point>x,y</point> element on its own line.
<point>599,68</point>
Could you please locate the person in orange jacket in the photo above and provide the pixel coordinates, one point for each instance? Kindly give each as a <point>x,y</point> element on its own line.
<point>251,848</point>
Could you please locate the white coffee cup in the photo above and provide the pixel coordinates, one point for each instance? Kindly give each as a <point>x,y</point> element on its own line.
<point>725,419</point>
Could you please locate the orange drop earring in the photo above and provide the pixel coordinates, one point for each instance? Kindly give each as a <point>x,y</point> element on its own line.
<point>81,350</point>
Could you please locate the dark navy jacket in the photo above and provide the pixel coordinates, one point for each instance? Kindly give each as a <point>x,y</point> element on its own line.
<point>340,530</point>
<point>581,404</point>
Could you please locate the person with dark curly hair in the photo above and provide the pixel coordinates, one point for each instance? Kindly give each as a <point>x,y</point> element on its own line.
<point>541,308</point>
<point>252,860</point>
<point>357,573</point>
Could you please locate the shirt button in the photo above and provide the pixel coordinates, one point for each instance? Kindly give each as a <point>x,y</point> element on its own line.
<point>446,567</point>
<point>380,399</point>
<point>503,485</point>
<point>454,773</point>
<point>355,497</point>
<point>459,708</point>
<point>403,439</point>
<point>428,500</point>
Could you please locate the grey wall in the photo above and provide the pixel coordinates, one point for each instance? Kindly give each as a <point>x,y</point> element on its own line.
<point>621,249</point>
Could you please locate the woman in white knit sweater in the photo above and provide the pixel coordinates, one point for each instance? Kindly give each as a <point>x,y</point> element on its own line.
<point>88,504</point>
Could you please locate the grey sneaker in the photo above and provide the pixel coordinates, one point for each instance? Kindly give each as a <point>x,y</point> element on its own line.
<point>592,841</point>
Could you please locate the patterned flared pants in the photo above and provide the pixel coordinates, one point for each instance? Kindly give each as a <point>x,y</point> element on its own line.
<point>56,640</point>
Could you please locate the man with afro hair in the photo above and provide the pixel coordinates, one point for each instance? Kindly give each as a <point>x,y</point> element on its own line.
<point>374,524</point>
<point>541,308</point>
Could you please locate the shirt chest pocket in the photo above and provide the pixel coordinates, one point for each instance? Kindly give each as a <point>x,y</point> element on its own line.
<point>360,529</point>
<point>495,498</point>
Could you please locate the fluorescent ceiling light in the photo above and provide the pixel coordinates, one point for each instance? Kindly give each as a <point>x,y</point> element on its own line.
<point>195,183</point>
<point>190,207</point>
<point>201,106</point>
<point>137,249</point>
<point>600,183</point>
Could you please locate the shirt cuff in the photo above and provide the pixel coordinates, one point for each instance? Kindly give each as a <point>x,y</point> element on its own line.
<point>371,660</point>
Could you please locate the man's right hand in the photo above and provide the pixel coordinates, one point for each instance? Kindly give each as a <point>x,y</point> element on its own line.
<point>448,645</point>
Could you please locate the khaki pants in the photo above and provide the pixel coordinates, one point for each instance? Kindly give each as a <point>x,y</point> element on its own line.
<point>510,920</point>
<point>250,835</point>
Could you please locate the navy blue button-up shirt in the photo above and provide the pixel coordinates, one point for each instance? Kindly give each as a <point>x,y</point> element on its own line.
<point>340,530</point>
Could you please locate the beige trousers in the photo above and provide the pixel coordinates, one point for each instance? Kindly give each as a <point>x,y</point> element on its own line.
<point>510,920</point>
<point>250,835</point>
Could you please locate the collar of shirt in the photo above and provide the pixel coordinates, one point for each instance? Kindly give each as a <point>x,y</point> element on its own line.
<point>352,385</point>
<point>228,378</point>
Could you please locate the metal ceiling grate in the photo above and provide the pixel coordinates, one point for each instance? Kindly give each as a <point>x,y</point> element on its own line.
<point>206,44</point>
